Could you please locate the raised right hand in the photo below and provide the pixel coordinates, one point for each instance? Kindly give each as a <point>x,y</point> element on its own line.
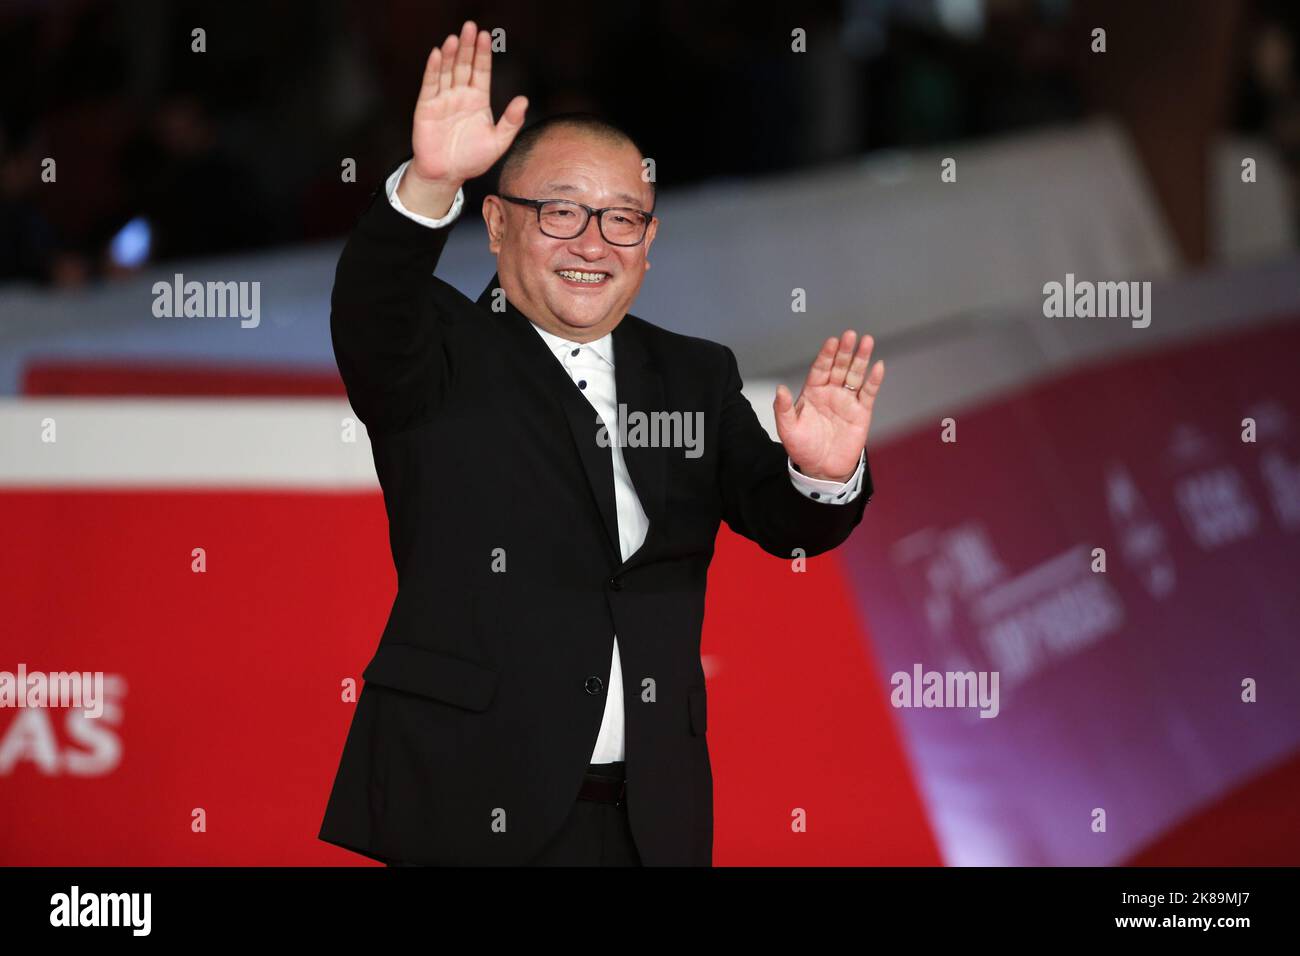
<point>453,136</point>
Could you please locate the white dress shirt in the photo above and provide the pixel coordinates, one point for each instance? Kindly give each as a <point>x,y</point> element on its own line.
<point>591,366</point>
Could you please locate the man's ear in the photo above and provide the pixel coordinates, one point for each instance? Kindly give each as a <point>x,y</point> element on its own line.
<point>650,232</point>
<point>494,217</point>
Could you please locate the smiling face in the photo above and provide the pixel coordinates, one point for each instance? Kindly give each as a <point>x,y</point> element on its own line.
<point>579,288</point>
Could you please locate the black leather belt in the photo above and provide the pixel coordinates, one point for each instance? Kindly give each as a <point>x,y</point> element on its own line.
<point>604,783</point>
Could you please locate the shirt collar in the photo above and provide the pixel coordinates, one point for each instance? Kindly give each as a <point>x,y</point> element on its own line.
<point>603,346</point>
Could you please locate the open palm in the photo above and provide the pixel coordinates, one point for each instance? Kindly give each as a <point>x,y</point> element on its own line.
<point>825,431</point>
<point>453,136</point>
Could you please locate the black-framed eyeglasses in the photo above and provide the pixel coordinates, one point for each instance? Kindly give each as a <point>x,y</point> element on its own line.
<point>565,219</point>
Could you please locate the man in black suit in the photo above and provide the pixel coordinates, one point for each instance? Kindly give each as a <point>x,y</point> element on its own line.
<point>537,696</point>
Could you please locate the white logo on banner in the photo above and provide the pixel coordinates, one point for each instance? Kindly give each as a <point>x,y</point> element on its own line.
<point>64,741</point>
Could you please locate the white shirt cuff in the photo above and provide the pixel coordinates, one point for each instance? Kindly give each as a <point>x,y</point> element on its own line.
<point>391,188</point>
<point>828,492</point>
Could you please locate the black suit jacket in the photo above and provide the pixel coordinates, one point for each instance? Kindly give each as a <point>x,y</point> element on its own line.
<point>484,698</point>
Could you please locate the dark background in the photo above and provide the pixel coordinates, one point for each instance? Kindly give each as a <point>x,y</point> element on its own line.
<point>239,148</point>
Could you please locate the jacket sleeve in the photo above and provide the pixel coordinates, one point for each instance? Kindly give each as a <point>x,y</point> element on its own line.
<point>759,500</point>
<point>384,322</point>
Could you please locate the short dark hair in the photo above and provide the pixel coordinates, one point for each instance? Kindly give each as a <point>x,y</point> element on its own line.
<point>528,138</point>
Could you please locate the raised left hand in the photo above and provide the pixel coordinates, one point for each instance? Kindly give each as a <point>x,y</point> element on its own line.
<point>825,431</point>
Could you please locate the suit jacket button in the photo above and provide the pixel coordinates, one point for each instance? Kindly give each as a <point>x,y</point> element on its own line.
<point>594,684</point>
<point>616,584</point>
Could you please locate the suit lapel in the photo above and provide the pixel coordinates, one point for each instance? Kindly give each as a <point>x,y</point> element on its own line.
<point>635,384</point>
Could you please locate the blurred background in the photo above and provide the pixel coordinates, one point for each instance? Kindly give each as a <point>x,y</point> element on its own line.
<point>1164,150</point>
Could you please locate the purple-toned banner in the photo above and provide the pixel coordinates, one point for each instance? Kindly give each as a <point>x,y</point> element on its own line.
<point>1094,584</point>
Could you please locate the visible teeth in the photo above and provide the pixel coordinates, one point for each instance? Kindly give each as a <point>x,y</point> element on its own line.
<point>582,276</point>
